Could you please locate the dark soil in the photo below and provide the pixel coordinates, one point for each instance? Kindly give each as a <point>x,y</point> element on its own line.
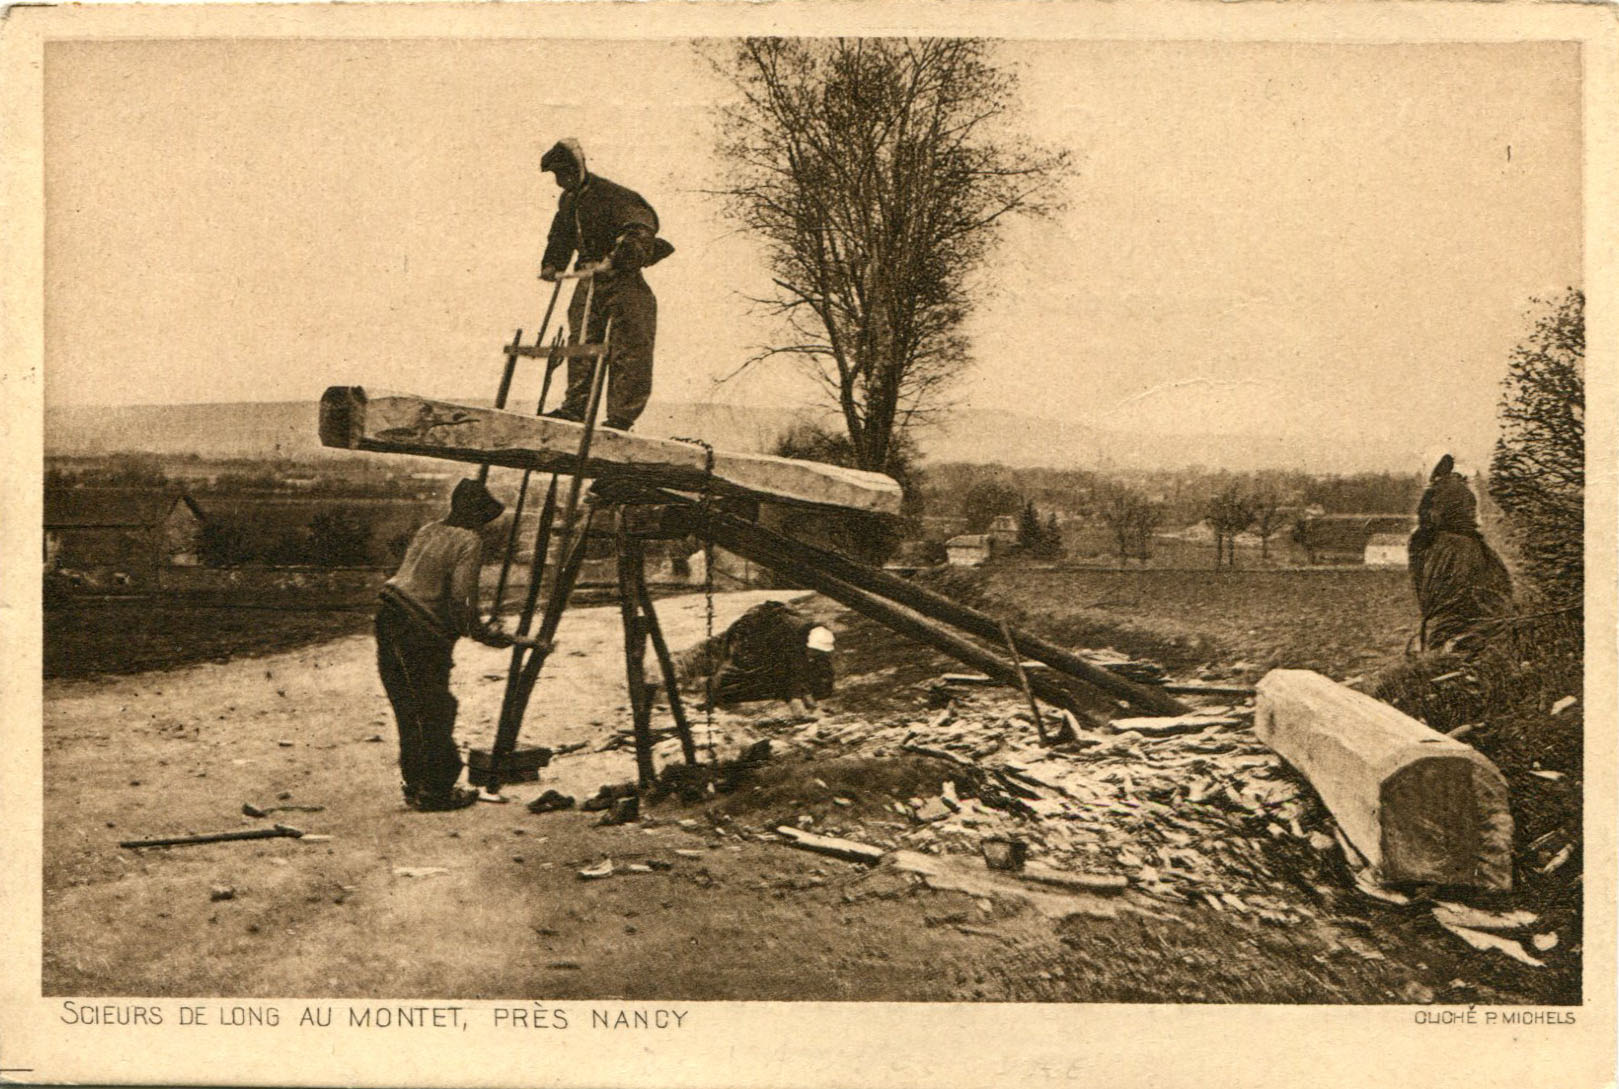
<point>113,636</point>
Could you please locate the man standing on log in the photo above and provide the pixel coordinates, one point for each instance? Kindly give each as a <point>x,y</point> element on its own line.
<point>431,601</point>
<point>1459,580</point>
<point>614,231</point>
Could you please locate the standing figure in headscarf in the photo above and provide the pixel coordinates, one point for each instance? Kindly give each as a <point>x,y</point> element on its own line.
<point>614,230</point>
<point>1459,580</point>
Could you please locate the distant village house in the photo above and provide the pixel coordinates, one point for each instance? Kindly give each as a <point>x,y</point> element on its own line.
<point>1387,550</point>
<point>115,536</point>
<point>1003,529</point>
<point>970,549</point>
<point>1349,538</point>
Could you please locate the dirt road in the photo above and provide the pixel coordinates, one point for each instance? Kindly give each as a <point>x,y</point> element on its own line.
<point>487,902</point>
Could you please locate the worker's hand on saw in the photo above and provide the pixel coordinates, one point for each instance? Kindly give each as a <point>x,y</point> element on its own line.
<point>549,274</point>
<point>532,642</point>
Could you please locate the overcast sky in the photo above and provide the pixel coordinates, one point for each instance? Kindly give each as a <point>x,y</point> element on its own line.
<point>1337,242</point>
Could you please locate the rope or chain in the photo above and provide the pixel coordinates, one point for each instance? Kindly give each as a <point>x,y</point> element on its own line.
<point>706,506</point>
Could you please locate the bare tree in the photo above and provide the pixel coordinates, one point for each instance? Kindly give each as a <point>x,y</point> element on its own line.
<point>1307,535</point>
<point>1537,474</point>
<point>1229,513</point>
<point>1268,520</point>
<point>1131,518</point>
<point>877,172</point>
<point>987,499</point>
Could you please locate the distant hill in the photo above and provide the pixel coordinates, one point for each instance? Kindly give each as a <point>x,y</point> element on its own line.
<point>287,429</point>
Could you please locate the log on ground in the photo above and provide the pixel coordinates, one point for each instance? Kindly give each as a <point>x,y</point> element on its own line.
<point>847,849</point>
<point>1420,806</point>
<point>399,423</point>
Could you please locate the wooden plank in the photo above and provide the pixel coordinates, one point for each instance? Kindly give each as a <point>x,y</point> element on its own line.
<point>831,845</point>
<point>1179,724</point>
<point>1419,806</point>
<point>1077,881</point>
<point>1191,688</point>
<point>556,351</point>
<point>937,607</point>
<point>738,537</point>
<point>399,423</point>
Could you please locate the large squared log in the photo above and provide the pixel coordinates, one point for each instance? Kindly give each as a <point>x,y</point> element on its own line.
<point>1420,806</point>
<point>399,423</point>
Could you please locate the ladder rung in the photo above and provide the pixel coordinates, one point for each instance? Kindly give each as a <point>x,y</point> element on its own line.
<point>564,351</point>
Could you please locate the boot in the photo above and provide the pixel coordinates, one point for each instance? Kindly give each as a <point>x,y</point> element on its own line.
<point>454,798</point>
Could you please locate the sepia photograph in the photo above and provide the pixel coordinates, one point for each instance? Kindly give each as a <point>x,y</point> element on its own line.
<point>555,527</point>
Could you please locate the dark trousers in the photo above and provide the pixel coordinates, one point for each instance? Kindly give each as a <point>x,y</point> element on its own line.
<point>629,303</point>
<point>415,667</point>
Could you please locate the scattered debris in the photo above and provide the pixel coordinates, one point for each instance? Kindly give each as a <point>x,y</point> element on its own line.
<point>1236,691</point>
<point>222,892</point>
<point>1556,861</point>
<point>1417,993</point>
<point>521,765</point>
<point>278,832</point>
<point>756,753</point>
<point>937,754</point>
<point>623,810</point>
<point>1477,919</point>
<point>251,810</point>
<point>1175,724</point>
<point>831,845</point>
<point>958,875</point>
<point>1005,853</point>
<point>1564,704</point>
<point>607,794</point>
<point>550,802</point>
<point>1544,943</point>
<point>420,871</point>
<point>1088,882</point>
<point>598,871</point>
<point>1486,942</point>
<point>976,679</point>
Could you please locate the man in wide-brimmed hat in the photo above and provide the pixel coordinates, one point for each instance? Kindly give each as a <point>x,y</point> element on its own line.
<point>431,601</point>
<point>615,231</point>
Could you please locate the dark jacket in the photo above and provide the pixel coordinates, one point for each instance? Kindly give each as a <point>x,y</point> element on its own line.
<point>602,219</point>
<point>1459,580</point>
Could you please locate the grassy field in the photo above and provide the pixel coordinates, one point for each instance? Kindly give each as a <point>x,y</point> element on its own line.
<point>1338,621</point>
<point>133,636</point>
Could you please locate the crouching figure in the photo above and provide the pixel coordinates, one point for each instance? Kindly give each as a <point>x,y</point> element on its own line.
<point>771,652</point>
